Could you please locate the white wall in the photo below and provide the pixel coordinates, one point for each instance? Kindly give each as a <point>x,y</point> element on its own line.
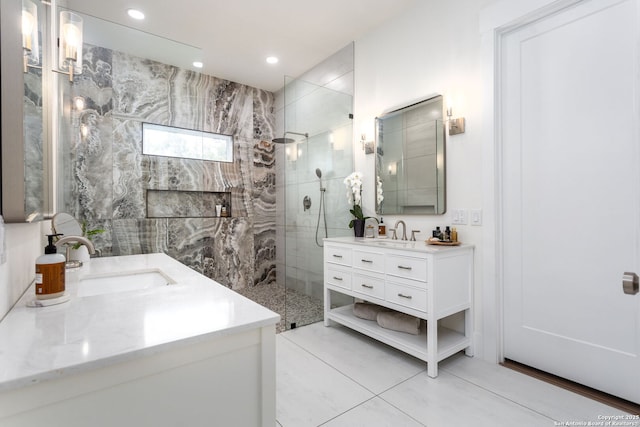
<point>22,243</point>
<point>433,48</point>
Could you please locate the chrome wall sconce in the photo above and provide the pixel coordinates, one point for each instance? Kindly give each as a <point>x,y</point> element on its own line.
<point>30,38</point>
<point>456,126</point>
<point>70,44</point>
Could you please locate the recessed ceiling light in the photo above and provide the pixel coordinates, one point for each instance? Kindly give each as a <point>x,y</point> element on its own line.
<point>198,64</point>
<point>135,14</point>
<point>272,59</point>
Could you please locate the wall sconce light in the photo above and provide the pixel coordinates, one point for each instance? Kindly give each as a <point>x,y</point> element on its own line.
<point>456,126</point>
<point>367,146</point>
<point>70,47</point>
<point>393,168</point>
<point>30,41</point>
<point>78,103</point>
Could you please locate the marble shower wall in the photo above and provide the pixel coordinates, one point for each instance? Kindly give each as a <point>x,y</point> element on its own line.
<point>110,178</point>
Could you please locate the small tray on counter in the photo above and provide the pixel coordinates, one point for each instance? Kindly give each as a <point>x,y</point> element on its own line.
<point>441,242</point>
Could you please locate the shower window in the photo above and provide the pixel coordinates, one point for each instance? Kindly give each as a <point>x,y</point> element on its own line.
<point>170,141</point>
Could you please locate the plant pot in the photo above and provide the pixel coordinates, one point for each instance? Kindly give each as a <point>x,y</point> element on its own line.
<point>81,254</point>
<point>358,227</point>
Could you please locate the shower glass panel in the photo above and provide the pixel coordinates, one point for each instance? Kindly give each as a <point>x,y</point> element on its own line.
<point>312,163</point>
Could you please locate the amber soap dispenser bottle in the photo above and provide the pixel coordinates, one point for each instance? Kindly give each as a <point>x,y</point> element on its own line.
<point>50,272</point>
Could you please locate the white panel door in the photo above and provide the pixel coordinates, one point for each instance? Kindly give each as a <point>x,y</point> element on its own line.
<point>571,194</point>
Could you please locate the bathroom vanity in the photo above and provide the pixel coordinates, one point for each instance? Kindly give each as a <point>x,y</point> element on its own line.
<point>429,282</point>
<point>143,340</point>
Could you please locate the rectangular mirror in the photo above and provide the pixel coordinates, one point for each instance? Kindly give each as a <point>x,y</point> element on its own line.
<point>410,159</point>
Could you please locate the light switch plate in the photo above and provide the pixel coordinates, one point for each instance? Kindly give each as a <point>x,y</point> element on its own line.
<point>476,216</point>
<point>459,216</point>
<point>463,216</point>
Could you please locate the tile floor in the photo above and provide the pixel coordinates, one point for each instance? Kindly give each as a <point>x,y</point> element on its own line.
<point>332,376</point>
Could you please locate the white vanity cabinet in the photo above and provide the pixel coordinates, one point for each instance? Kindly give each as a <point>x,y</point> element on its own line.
<point>429,282</point>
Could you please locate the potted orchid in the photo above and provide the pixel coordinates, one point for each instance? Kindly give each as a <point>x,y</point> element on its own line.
<point>354,197</point>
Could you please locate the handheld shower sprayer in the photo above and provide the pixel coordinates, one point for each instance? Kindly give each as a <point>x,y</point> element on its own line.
<point>321,209</point>
<point>319,175</point>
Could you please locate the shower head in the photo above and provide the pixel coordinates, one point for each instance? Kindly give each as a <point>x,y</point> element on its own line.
<point>319,173</point>
<point>285,140</point>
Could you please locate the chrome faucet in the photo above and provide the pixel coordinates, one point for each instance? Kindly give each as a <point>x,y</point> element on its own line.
<point>75,239</point>
<point>404,228</point>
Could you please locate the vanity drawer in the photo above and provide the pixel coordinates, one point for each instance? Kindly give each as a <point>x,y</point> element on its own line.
<point>337,255</point>
<point>406,296</point>
<point>408,267</point>
<point>370,261</point>
<point>337,277</point>
<point>367,285</point>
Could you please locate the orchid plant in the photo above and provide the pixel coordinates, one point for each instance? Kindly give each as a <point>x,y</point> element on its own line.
<point>354,197</point>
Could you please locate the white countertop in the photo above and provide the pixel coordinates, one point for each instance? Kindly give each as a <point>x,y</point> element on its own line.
<point>405,245</point>
<point>43,343</point>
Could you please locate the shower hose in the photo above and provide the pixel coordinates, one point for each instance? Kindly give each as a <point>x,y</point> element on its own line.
<point>324,214</point>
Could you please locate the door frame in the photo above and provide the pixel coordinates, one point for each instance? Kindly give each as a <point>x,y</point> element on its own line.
<point>496,21</point>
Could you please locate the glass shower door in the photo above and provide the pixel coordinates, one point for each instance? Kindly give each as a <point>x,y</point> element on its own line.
<point>318,119</point>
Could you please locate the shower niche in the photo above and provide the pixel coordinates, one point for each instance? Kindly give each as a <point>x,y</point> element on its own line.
<point>188,204</point>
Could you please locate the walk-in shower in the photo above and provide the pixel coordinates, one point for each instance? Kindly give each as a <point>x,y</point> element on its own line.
<point>313,143</point>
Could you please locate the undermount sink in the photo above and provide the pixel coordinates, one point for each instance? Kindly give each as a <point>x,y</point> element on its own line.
<point>125,281</point>
<point>385,242</point>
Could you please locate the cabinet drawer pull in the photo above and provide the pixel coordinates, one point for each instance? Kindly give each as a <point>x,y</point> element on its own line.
<point>404,267</point>
<point>337,256</point>
<point>404,296</point>
<point>367,260</point>
<point>367,286</point>
<point>337,278</point>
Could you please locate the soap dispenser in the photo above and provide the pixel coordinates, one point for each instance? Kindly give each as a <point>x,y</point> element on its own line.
<point>50,267</point>
<point>382,228</point>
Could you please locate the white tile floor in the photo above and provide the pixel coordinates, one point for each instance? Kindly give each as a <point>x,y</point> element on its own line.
<point>337,377</point>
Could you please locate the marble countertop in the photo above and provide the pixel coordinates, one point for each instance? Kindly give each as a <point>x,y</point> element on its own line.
<point>405,245</point>
<point>43,343</point>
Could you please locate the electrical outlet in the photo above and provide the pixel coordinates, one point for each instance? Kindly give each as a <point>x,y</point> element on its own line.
<point>476,216</point>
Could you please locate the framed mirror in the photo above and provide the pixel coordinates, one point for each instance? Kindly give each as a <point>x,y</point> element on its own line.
<point>410,159</point>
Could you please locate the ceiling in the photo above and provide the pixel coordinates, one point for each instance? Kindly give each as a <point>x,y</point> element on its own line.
<point>236,36</point>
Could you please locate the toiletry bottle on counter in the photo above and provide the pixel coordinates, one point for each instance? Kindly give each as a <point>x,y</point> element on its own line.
<point>436,233</point>
<point>382,229</point>
<point>454,235</point>
<point>447,234</point>
<point>50,272</point>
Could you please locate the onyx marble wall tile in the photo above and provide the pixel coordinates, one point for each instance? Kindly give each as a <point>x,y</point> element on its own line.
<point>170,173</point>
<point>128,173</point>
<point>141,89</point>
<point>263,117</point>
<point>263,187</point>
<point>95,84</point>
<point>188,239</point>
<point>230,260</point>
<point>33,141</point>
<point>138,236</point>
<point>93,166</point>
<point>229,109</point>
